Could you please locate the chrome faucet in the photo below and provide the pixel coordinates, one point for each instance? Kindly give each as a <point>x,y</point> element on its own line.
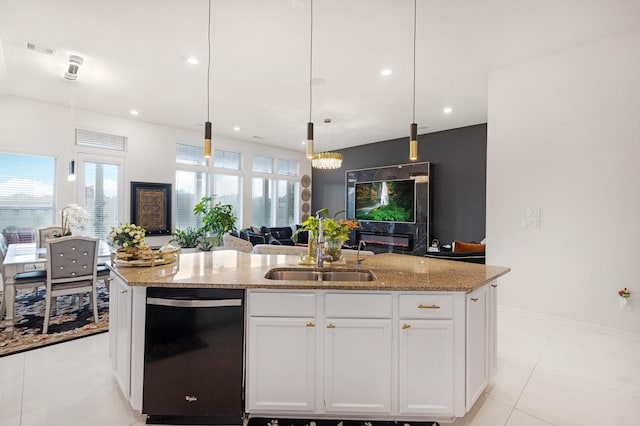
<point>321,258</point>
<point>361,243</point>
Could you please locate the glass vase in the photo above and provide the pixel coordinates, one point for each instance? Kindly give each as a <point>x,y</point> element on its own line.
<point>333,248</point>
<point>312,247</point>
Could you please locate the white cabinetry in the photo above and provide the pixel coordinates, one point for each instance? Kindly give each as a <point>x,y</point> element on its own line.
<point>357,352</point>
<point>281,352</point>
<point>426,355</point>
<point>478,342</point>
<point>120,308</point>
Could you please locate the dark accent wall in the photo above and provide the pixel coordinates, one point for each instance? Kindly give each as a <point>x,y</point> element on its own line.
<point>458,160</point>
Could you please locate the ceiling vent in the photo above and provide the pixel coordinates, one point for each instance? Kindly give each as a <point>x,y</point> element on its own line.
<point>40,48</point>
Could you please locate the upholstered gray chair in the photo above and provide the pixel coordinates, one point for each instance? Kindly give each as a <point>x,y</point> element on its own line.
<point>235,243</point>
<point>71,269</point>
<point>46,233</point>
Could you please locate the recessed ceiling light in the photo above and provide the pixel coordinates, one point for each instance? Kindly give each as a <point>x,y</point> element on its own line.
<point>236,129</point>
<point>386,72</point>
<point>193,61</point>
<point>304,142</point>
<point>134,112</point>
<point>447,110</point>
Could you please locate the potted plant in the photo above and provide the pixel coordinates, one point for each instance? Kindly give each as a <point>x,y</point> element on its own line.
<point>189,238</point>
<point>217,219</point>
<point>336,234</point>
<point>310,225</point>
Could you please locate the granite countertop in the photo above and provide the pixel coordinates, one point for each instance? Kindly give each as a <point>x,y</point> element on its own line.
<point>233,269</point>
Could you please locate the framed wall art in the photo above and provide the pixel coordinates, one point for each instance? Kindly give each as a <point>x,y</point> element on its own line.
<point>151,207</point>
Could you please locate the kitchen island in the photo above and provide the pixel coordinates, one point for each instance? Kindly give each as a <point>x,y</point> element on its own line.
<point>416,343</point>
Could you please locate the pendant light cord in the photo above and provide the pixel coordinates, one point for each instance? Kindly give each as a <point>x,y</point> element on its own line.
<point>414,58</point>
<point>310,60</point>
<point>209,59</point>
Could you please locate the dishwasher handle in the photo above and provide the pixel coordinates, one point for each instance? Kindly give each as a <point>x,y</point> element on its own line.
<point>198,303</point>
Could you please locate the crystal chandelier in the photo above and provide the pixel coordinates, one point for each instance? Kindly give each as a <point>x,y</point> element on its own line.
<point>326,160</point>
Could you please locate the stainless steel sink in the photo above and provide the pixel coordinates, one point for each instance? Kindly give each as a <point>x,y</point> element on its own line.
<point>305,274</point>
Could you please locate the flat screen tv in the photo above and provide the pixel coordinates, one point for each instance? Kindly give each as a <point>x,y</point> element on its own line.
<point>386,201</point>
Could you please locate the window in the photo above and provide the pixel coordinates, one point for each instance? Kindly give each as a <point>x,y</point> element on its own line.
<point>101,190</point>
<point>288,167</point>
<point>262,164</point>
<point>226,159</point>
<point>26,195</point>
<point>195,178</point>
<point>262,201</point>
<point>228,190</point>
<point>190,188</point>
<point>288,204</point>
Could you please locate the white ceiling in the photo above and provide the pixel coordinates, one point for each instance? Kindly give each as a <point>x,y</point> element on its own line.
<point>134,58</point>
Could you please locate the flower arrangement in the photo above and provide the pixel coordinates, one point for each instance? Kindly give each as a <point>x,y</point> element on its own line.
<point>127,236</point>
<point>74,218</point>
<point>352,224</point>
<point>625,292</point>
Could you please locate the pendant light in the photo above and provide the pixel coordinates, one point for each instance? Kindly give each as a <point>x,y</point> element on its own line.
<point>319,160</point>
<point>207,124</point>
<point>72,171</point>
<point>310,123</point>
<point>327,160</point>
<point>413,140</point>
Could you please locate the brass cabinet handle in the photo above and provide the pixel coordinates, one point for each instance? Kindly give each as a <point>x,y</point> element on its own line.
<point>405,326</point>
<point>494,285</point>
<point>331,325</point>
<point>310,324</point>
<point>421,306</point>
<point>474,299</point>
<point>123,291</point>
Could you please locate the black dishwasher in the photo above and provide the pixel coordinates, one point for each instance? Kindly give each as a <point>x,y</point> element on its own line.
<point>193,360</point>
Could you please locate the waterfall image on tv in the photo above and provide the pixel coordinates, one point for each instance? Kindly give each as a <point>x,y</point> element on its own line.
<point>386,200</point>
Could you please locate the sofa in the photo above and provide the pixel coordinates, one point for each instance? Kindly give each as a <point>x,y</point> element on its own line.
<point>279,235</point>
<point>463,252</point>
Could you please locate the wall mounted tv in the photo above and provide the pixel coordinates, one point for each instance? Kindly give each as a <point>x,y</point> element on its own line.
<point>386,201</point>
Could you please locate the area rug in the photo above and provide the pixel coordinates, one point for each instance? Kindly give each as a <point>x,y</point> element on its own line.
<point>66,323</point>
<point>262,421</point>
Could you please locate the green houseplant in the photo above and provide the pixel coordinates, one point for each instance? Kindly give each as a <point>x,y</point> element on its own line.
<point>188,238</point>
<point>217,219</point>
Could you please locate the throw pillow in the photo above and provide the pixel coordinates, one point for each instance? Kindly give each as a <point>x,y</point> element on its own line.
<point>462,247</point>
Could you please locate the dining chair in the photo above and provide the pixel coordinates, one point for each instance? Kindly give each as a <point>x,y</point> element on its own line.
<point>71,269</point>
<point>46,233</point>
<point>31,279</point>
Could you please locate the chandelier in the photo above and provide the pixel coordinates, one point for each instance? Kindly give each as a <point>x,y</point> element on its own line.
<point>326,160</point>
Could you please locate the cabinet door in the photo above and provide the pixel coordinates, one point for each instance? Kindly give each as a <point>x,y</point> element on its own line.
<point>281,365</point>
<point>357,366</point>
<point>477,344</point>
<point>426,371</point>
<point>122,330</point>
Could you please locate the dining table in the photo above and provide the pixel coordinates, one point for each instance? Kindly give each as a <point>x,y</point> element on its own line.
<point>24,257</point>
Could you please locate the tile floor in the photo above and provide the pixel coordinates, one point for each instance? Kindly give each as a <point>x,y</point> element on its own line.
<point>548,374</point>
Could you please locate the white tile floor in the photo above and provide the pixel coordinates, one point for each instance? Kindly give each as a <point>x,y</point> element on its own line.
<point>548,374</point>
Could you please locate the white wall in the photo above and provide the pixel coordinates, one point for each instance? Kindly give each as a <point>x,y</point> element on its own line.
<point>30,127</point>
<point>564,136</point>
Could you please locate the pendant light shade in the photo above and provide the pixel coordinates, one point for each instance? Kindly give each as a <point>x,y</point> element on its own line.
<point>207,124</point>
<point>413,142</point>
<point>309,140</point>
<point>327,160</point>
<point>72,171</point>
<point>207,139</point>
<point>413,139</point>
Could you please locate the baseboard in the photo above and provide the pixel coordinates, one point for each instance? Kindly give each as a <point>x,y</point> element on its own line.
<point>572,323</point>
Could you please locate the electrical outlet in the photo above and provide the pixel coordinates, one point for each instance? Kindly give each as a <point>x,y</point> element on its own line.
<point>531,223</point>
